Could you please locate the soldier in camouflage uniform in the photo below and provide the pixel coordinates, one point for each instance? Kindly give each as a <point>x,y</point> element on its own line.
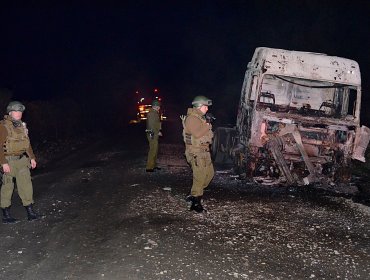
<point>197,134</point>
<point>16,157</point>
<point>153,131</point>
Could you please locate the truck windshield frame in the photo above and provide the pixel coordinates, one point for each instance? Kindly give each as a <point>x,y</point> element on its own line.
<point>307,97</point>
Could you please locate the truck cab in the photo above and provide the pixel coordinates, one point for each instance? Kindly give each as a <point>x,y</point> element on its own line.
<point>298,120</point>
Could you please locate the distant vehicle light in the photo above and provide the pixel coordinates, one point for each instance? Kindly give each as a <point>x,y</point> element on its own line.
<point>143,107</point>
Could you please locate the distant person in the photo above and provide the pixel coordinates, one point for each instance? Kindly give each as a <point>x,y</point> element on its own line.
<point>16,157</point>
<point>153,131</point>
<point>198,136</point>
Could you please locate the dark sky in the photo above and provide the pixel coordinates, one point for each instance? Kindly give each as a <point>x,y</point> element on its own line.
<point>185,48</point>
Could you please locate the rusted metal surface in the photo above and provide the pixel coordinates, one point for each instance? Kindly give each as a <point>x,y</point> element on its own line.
<point>299,117</point>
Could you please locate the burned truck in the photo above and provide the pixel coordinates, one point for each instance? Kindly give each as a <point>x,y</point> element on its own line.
<point>298,120</point>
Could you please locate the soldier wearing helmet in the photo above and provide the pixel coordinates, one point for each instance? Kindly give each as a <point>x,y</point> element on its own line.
<point>153,131</point>
<point>197,134</point>
<point>16,157</point>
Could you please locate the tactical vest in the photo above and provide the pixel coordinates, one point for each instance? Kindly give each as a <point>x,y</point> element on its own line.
<point>190,140</point>
<point>17,142</point>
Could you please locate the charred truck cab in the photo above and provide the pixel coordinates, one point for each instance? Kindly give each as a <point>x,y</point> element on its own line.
<point>298,120</point>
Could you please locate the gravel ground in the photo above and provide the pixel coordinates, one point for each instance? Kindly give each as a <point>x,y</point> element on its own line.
<point>106,218</point>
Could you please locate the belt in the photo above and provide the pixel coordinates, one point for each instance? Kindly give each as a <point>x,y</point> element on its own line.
<point>197,149</point>
<point>15,157</point>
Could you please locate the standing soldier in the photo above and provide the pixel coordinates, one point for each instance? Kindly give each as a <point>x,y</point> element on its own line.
<point>16,157</point>
<point>198,136</point>
<point>153,131</point>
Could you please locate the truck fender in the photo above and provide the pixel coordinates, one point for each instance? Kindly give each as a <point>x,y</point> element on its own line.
<point>361,142</point>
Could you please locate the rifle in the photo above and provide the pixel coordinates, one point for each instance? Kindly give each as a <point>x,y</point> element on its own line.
<point>210,118</point>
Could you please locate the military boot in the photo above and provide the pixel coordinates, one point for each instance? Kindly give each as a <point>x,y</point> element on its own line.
<point>7,218</point>
<point>189,198</point>
<point>196,204</point>
<point>30,213</point>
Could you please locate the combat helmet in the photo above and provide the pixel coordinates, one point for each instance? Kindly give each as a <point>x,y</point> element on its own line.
<point>156,102</point>
<point>200,100</point>
<point>15,106</point>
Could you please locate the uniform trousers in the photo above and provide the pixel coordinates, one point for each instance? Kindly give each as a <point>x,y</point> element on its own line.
<point>153,151</point>
<point>20,170</point>
<point>203,172</point>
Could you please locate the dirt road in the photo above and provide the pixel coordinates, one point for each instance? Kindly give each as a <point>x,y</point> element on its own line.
<point>106,218</point>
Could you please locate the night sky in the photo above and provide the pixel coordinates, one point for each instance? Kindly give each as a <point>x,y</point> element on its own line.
<point>184,48</point>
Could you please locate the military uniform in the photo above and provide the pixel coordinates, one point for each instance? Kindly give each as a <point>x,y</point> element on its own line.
<point>197,134</point>
<point>153,127</point>
<point>17,153</point>
<point>197,137</point>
